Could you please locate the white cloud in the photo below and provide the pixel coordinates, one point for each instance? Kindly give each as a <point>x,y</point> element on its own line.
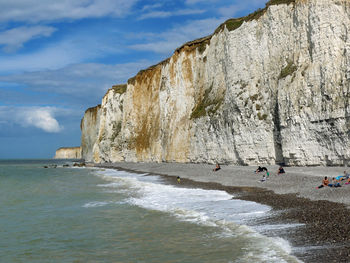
<point>168,41</point>
<point>83,80</point>
<point>52,10</point>
<point>164,14</point>
<point>38,117</point>
<point>192,2</point>
<point>150,7</point>
<point>155,14</point>
<point>14,38</point>
<point>52,57</point>
<point>232,10</point>
<point>77,48</point>
<point>162,47</point>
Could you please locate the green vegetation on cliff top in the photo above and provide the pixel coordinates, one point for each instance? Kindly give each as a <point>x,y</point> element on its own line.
<point>119,88</point>
<point>234,23</point>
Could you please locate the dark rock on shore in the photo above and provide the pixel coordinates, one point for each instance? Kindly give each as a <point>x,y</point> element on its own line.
<point>79,164</point>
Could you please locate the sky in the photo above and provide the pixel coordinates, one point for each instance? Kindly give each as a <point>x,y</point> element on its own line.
<point>58,58</point>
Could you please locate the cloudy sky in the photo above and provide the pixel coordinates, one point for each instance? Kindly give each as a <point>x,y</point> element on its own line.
<point>58,58</point>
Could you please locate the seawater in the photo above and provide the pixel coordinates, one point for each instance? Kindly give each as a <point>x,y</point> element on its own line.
<point>102,215</point>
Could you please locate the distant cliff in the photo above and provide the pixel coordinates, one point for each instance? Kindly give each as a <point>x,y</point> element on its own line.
<point>68,153</point>
<point>267,88</point>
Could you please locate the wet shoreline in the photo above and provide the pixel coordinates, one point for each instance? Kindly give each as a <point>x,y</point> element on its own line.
<point>324,235</point>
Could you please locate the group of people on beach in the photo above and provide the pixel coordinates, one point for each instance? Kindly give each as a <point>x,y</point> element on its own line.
<point>267,174</point>
<point>259,170</point>
<point>262,169</point>
<point>336,181</point>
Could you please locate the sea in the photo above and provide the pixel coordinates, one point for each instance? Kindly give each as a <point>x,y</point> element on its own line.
<point>71,214</point>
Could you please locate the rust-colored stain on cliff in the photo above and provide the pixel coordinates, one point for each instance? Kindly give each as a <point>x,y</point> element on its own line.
<point>146,110</point>
<point>187,67</point>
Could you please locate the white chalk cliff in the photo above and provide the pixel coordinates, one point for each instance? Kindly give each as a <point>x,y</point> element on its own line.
<point>267,88</point>
<point>68,153</point>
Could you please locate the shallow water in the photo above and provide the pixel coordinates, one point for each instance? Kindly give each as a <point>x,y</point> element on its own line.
<point>100,215</point>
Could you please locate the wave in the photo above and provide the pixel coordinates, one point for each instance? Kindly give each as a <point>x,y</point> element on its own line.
<point>213,208</point>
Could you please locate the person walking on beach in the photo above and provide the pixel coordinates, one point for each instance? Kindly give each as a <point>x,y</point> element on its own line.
<point>260,169</point>
<point>178,179</point>
<point>325,182</point>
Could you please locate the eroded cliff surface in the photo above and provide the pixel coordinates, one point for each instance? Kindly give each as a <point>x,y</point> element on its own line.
<point>90,126</point>
<point>272,87</point>
<point>68,153</point>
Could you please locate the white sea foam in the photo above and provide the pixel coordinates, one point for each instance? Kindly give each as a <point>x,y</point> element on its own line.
<point>95,204</point>
<point>99,204</point>
<point>213,208</point>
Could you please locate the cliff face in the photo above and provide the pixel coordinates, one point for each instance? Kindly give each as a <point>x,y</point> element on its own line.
<point>274,89</point>
<point>90,125</point>
<point>68,153</point>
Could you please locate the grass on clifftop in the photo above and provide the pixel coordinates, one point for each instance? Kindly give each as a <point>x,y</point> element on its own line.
<point>120,88</point>
<point>279,2</point>
<point>234,23</point>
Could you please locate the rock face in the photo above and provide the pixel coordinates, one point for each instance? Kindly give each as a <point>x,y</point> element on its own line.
<point>269,88</point>
<point>90,125</point>
<point>68,153</point>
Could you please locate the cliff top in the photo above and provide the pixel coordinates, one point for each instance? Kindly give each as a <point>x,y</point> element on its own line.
<point>68,148</point>
<point>231,24</point>
<point>93,108</point>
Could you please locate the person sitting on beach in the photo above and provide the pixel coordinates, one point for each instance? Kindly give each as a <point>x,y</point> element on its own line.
<point>340,178</point>
<point>260,169</point>
<point>332,183</point>
<point>281,170</point>
<point>335,183</point>
<point>217,167</point>
<point>265,176</point>
<point>325,182</point>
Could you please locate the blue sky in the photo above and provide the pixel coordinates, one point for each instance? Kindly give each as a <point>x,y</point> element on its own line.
<point>58,58</point>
